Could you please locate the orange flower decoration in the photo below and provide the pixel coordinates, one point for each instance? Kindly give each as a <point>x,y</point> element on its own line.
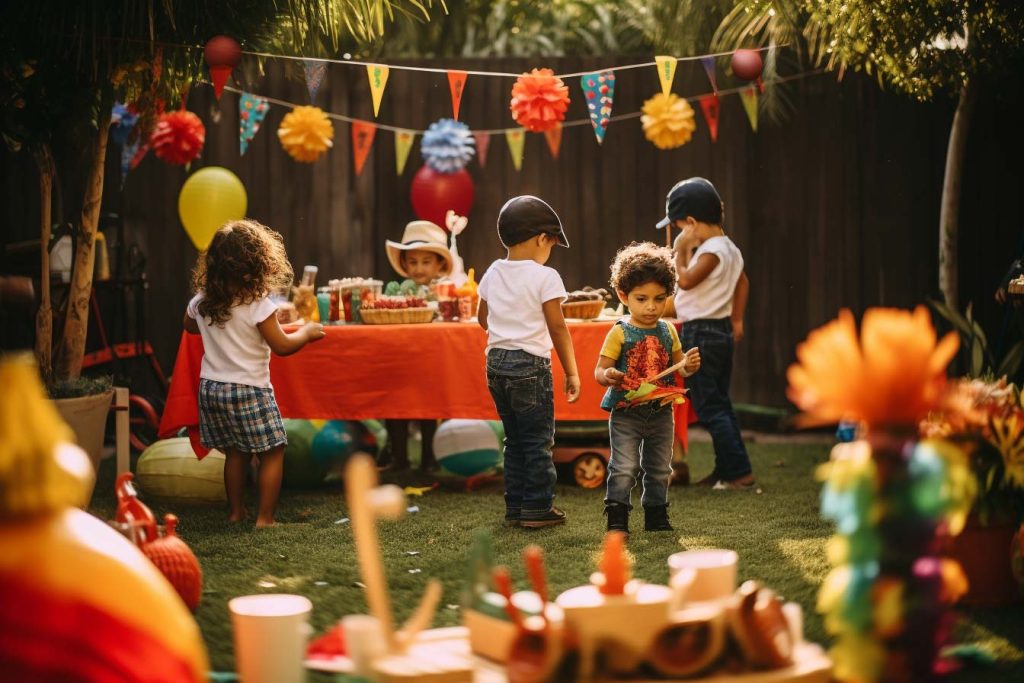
<point>539,100</point>
<point>894,374</point>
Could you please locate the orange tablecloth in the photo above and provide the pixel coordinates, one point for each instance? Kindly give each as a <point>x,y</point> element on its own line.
<point>361,372</point>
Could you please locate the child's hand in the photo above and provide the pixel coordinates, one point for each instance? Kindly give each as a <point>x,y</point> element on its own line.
<point>613,377</point>
<point>313,331</point>
<point>572,388</point>
<point>692,361</point>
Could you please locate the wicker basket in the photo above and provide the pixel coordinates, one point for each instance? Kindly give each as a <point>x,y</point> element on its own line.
<point>583,309</point>
<point>395,316</point>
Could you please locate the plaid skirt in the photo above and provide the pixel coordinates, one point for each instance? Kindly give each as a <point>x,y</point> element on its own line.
<point>239,416</point>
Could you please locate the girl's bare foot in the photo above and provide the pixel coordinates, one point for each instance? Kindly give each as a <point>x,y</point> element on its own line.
<point>235,517</point>
<point>263,523</point>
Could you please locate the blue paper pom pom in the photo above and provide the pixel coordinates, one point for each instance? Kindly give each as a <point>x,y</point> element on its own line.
<point>122,121</point>
<point>448,146</point>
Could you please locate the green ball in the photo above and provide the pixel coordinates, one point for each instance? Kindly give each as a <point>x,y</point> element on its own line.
<point>301,469</point>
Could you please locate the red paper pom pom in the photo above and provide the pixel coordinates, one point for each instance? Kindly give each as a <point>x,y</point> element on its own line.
<point>178,137</point>
<point>539,100</point>
<point>746,64</point>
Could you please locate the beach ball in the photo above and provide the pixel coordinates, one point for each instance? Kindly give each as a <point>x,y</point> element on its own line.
<point>468,447</point>
<point>170,471</point>
<point>334,443</point>
<point>301,470</point>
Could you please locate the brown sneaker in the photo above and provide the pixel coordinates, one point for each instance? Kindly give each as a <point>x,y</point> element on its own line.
<point>680,474</point>
<point>535,520</point>
<point>708,481</point>
<point>744,483</point>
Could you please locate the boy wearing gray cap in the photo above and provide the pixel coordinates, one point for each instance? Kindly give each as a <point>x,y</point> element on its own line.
<point>521,309</point>
<point>711,301</point>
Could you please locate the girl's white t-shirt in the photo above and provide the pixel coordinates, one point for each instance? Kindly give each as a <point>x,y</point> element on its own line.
<point>235,351</point>
<point>712,298</point>
<point>515,292</point>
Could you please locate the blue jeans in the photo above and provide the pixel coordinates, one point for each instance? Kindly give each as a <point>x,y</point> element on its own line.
<point>641,440</point>
<point>709,391</point>
<point>523,392</point>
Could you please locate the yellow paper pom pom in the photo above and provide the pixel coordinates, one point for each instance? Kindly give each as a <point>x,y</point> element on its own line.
<point>306,133</point>
<point>668,121</point>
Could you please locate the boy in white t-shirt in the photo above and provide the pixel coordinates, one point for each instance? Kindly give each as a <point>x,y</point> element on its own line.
<point>521,309</point>
<point>711,301</point>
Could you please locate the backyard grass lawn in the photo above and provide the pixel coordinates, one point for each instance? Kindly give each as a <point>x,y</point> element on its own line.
<point>779,535</point>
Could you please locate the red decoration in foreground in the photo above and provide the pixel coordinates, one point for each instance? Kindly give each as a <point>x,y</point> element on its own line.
<point>178,137</point>
<point>433,194</point>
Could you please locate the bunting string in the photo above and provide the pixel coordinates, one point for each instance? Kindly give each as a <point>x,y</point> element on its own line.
<point>567,124</point>
<point>499,74</point>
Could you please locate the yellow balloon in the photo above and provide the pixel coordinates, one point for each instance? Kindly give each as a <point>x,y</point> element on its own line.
<point>210,197</point>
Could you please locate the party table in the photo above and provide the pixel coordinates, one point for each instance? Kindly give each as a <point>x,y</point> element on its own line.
<point>358,372</point>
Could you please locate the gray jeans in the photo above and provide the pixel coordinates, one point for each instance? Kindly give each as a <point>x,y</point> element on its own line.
<point>641,441</point>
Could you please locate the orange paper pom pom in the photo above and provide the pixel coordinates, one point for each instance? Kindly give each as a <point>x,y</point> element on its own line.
<point>539,100</point>
<point>178,137</point>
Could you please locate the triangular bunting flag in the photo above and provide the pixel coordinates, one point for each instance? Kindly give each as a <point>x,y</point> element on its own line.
<point>599,91</point>
<point>749,97</point>
<point>314,76</point>
<point>709,68</point>
<point>457,83</point>
<point>710,105</point>
<point>252,109</point>
<point>554,138</point>
<point>403,143</point>
<point>378,75</point>
<point>483,141</point>
<point>666,72</point>
<point>362,140</point>
<point>516,137</point>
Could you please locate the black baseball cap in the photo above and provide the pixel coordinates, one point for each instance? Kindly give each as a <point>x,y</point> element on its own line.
<point>695,197</point>
<point>524,216</point>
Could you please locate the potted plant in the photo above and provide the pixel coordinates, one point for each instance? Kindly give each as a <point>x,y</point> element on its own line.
<point>986,418</point>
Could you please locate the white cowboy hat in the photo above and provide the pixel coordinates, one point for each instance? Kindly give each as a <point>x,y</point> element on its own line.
<point>422,236</point>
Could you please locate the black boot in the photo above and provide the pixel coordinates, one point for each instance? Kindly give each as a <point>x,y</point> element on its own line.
<point>618,517</point>
<point>656,518</point>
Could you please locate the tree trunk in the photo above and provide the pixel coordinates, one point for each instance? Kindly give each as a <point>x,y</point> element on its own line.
<point>76,323</point>
<point>949,213</point>
<point>44,316</point>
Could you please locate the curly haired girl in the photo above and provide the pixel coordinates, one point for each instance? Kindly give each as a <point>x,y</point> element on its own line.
<point>237,320</point>
<point>638,348</point>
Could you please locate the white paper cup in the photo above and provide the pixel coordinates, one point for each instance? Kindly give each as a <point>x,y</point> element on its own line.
<point>364,642</point>
<point>270,637</point>
<point>715,572</point>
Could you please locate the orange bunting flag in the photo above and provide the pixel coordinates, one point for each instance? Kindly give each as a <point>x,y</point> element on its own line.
<point>666,72</point>
<point>516,137</point>
<point>403,143</point>
<point>749,98</point>
<point>710,106</point>
<point>457,83</point>
<point>554,138</point>
<point>483,142</point>
<point>378,75</point>
<point>362,140</point>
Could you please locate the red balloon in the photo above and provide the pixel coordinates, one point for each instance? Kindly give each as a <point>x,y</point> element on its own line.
<point>433,194</point>
<point>746,64</point>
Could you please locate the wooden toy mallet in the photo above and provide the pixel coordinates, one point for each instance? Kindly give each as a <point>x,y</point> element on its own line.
<point>368,502</point>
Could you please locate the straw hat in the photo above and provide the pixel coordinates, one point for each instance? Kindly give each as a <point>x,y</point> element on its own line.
<point>422,236</point>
